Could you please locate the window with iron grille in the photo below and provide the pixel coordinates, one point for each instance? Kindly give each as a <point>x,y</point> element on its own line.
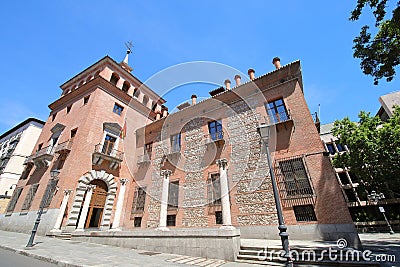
<point>176,142</point>
<point>351,196</point>
<point>118,109</point>
<point>171,220</point>
<point>14,199</point>
<point>29,197</point>
<point>139,200</point>
<point>343,178</point>
<point>304,213</point>
<point>276,111</point>
<point>173,195</point>
<point>214,190</point>
<point>49,193</point>
<point>295,177</point>
<point>148,149</point>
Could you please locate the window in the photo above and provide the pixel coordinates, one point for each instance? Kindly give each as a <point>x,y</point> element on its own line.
<point>69,108</point>
<point>173,195</point>
<point>53,117</point>
<point>14,199</point>
<point>343,178</point>
<point>340,147</point>
<point>295,177</point>
<point>304,213</point>
<point>215,130</point>
<point>218,217</point>
<point>114,79</point>
<point>29,197</point>
<point>26,171</point>
<point>148,149</point>
<point>73,132</point>
<point>118,109</point>
<point>214,190</point>
<point>331,148</point>
<point>86,99</point>
<point>176,142</point>
<point>145,100</point>
<point>351,196</point>
<point>137,222</point>
<point>276,111</point>
<point>126,86</point>
<point>139,200</point>
<point>136,92</point>
<point>108,145</point>
<point>353,177</point>
<point>49,193</point>
<point>40,146</point>
<point>171,220</point>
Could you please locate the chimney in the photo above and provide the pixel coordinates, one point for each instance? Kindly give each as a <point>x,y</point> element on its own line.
<point>194,99</point>
<point>227,84</point>
<point>158,115</point>
<point>237,79</point>
<point>251,74</point>
<point>277,62</point>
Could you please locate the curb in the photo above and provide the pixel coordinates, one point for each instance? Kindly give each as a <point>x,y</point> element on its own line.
<point>41,258</point>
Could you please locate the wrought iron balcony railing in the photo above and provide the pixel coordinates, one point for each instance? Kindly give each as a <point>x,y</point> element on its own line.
<point>109,152</point>
<point>64,147</point>
<point>280,117</point>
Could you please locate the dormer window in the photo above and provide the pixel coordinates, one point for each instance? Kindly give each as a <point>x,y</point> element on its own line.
<point>114,79</point>
<point>126,86</point>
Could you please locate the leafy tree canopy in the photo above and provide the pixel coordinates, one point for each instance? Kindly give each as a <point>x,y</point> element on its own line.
<point>374,151</point>
<point>381,54</point>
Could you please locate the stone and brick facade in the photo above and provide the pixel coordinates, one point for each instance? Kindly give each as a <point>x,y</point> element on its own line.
<point>119,153</point>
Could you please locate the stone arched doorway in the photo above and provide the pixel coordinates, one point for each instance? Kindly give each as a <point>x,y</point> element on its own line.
<point>97,202</point>
<point>85,188</point>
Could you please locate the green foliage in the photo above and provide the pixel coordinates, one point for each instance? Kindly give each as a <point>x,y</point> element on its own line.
<point>374,151</point>
<point>381,54</point>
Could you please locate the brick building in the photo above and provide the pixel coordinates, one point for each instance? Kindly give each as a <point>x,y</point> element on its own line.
<point>124,163</point>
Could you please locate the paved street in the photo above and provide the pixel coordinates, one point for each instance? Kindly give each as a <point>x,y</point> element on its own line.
<point>72,253</point>
<point>12,259</point>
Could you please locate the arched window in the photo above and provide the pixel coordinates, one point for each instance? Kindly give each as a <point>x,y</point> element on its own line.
<point>145,100</point>
<point>114,79</point>
<point>126,86</point>
<point>136,93</point>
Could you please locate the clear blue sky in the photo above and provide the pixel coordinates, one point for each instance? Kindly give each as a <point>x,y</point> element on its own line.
<point>45,43</point>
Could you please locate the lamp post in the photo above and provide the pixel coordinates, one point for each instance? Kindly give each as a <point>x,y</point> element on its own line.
<point>53,174</point>
<point>264,131</point>
<point>374,198</point>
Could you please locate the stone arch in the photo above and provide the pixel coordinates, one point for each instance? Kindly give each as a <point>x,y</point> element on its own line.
<point>84,182</point>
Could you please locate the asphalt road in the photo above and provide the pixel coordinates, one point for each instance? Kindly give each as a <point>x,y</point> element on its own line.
<point>12,259</point>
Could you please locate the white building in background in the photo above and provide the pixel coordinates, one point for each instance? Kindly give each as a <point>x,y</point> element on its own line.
<point>15,146</point>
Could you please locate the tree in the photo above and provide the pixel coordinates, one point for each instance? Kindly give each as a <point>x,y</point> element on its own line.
<point>381,54</point>
<point>374,155</point>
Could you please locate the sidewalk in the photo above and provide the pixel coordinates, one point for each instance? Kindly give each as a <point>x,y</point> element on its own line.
<point>74,254</point>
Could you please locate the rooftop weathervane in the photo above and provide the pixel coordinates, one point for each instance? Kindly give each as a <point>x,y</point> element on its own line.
<point>129,46</point>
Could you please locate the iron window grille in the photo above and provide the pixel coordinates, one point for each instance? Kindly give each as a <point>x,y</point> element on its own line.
<point>294,181</point>
<point>118,109</point>
<point>215,130</point>
<point>171,220</point>
<point>139,200</point>
<point>29,197</point>
<point>137,222</point>
<point>304,213</point>
<point>173,195</point>
<point>214,190</point>
<point>14,199</point>
<point>49,193</point>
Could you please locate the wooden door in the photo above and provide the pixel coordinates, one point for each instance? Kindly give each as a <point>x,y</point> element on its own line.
<point>96,206</point>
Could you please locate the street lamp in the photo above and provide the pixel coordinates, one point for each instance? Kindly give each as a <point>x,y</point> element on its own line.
<point>264,132</point>
<point>374,198</point>
<point>53,174</point>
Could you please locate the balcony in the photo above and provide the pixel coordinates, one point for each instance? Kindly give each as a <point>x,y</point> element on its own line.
<point>43,157</point>
<point>106,152</point>
<point>216,138</point>
<point>64,148</point>
<point>28,161</point>
<point>143,159</point>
